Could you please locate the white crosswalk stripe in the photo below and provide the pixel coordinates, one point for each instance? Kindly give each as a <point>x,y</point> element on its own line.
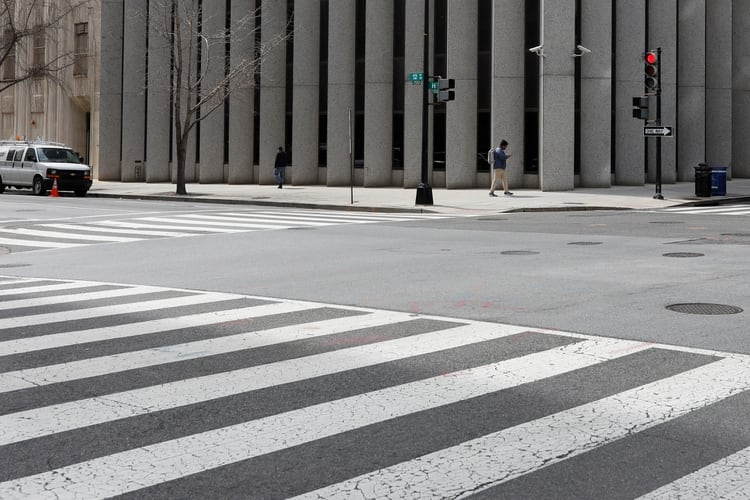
<point>241,350</point>
<point>710,210</point>
<point>66,235</point>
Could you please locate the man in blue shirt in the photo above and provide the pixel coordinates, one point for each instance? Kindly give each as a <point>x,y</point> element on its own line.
<point>498,161</point>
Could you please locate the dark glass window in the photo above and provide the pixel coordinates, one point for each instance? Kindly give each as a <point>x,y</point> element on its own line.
<point>359,87</point>
<point>484,84</point>
<point>440,47</point>
<point>531,89</point>
<point>323,88</point>
<point>399,77</point>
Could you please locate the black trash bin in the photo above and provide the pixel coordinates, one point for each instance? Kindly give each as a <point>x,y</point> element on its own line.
<point>702,180</point>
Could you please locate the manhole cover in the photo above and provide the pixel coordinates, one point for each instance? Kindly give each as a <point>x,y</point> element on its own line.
<point>703,308</point>
<point>666,222</point>
<point>519,252</point>
<point>683,254</point>
<point>585,243</point>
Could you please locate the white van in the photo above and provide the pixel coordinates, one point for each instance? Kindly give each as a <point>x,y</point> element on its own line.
<point>36,165</point>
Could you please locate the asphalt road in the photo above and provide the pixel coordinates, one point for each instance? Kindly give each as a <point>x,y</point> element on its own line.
<point>165,350</point>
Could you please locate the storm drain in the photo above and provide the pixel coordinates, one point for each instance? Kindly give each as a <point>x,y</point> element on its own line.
<point>585,243</point>
<point>704,308</point>
<point>666,222</point>
<point>519,252</point>
<point>683,254</point>
<point>6,266</point>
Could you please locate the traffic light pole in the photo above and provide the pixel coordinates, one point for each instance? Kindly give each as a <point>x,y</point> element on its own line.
<point>424,190</point>
<point>658,195</point>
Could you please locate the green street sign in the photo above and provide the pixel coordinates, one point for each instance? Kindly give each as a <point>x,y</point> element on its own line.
<point>416,78</point>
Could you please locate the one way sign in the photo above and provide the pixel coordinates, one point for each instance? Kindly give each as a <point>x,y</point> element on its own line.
<point>657,131</point>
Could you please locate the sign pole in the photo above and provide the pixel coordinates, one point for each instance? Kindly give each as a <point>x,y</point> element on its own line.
<point>658,195</point>
<point>424,190</point>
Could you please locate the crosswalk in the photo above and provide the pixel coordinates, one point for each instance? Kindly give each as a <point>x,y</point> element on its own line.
<point>109,389</point>
<point>180,225</point>
<point>739,209</point>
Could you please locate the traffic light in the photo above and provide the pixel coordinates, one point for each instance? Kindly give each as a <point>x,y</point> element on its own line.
<point>651,70</point>
<point>640,108</point>
<point>446,89</point>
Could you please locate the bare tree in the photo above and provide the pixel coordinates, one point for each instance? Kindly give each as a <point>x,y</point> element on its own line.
<point>193,51</point>
<point>26,29</point>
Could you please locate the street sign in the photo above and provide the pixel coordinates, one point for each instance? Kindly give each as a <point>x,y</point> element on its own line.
<point>416,78</point>
<point>657,131</point>
<point>435,86</point>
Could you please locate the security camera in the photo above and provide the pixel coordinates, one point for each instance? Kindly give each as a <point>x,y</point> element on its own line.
<point>583,49</point>
<point>537,50</point>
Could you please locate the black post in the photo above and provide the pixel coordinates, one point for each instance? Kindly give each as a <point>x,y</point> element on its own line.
<point>424,190</point>
<point>658,195</point>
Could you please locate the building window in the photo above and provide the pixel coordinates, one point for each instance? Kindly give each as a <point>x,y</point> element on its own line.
<point>9,63</point>
<point>81,50</point>
<point>37,61</point>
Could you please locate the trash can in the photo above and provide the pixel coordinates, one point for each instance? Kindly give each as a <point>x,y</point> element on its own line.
<point>702,180</point>
<point>718,181</point>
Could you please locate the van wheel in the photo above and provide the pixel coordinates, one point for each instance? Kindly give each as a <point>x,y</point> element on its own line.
<point>81,192</point>
<point>2,186</point>
<point>38,186</point>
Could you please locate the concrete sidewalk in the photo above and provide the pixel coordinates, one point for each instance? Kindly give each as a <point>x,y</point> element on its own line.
<point>455,201</point>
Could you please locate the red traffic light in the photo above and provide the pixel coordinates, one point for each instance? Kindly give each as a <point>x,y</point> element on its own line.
<point>651,57</point>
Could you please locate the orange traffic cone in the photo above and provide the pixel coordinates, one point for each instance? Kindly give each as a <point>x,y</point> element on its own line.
<point>54,191</point>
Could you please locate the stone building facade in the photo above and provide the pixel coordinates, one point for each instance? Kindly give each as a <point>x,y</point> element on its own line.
<point>61,107</point>
<point>337,93</point>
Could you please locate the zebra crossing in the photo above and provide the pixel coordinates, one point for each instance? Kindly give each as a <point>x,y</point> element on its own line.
<point>739,209</point>
<point>111,389</point>
<point>180,225</point>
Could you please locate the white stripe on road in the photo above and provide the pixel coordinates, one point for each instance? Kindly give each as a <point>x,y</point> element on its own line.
<point>104,229</point>
<point>725,479</point>
<point>40,244</point>
<point>63,299</point>
<point>706,210</point>
<point>323,218</point>
<point>269,222</point>
<point>65,235</point>
<point>38,343</point>
<point>501,456</point>
<point>375,216</point>
<point>226,226</point>
<point>65,372</point>
<point>137,225</point>
<point>97,312</point>
<point>119,473</point>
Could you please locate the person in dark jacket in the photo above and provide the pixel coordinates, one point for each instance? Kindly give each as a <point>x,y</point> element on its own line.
<point>279,166</point>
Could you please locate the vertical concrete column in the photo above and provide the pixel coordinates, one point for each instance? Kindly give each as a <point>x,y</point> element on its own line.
<point>212,67</point>
<point>272,87</point>
<point>719,82</point>
<point>342,23</point>
<point>305,107</point>
<point>596,93</point>
<point>662,32</point>
<point>630,35</point>
<point>691,90</point>
<point>159,103</point>
<point>378,93</point>
<point>133,89</point>
<point>413,94</point>
<point>556,106</point>
<point>508,54</point>
<point>242,100</point>
<point>740,88</point>
<point>461,114</point>
<point>110,91</point>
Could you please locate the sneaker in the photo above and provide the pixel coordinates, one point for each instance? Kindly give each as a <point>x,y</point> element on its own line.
<point>492,193</point>
<point>508,193</point>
